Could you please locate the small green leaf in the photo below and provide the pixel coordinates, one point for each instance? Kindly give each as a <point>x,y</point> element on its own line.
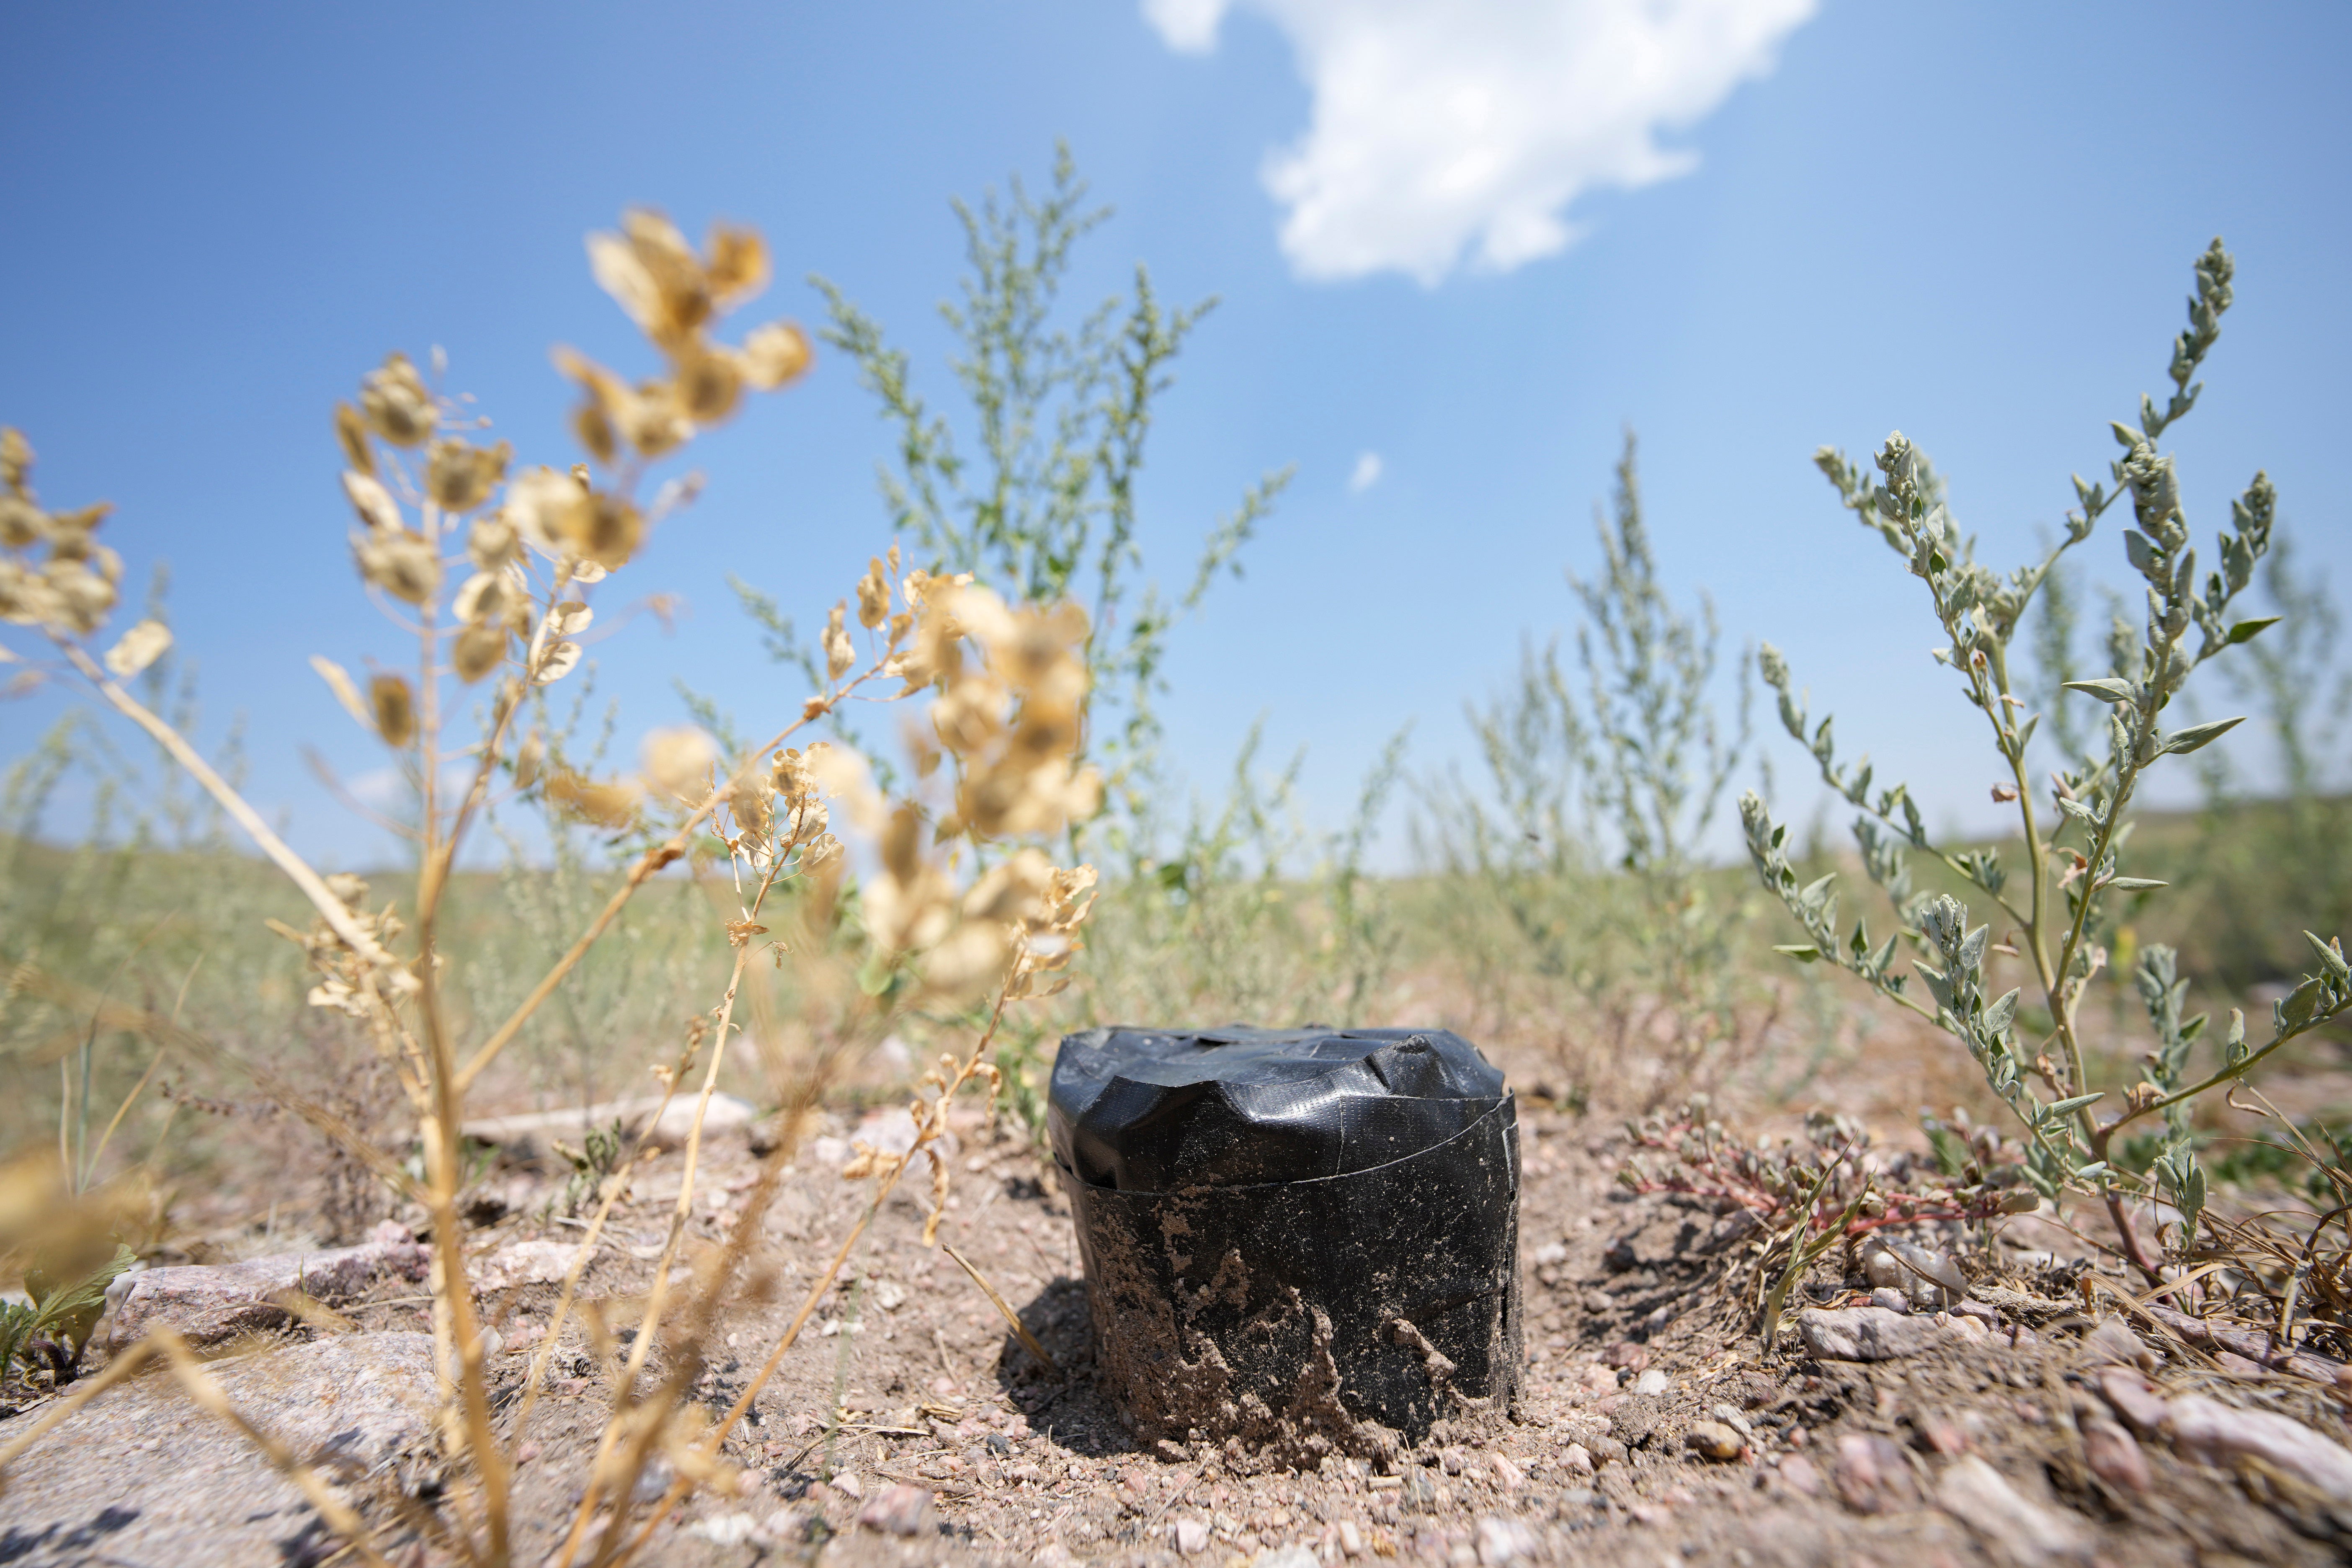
<point>1803,952</point>
<point>2106,688</point>
<point>2135,884</point>
<point>2245,631</point>
<point>2062,1106</point>
<point>2183,741</point>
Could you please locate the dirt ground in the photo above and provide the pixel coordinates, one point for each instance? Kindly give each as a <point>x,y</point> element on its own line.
<point>909,1377</point>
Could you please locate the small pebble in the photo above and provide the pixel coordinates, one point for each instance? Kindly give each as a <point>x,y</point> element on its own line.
<point>1651,1382</point>
<point>1892,1298</point>
<point>1713,1440</point>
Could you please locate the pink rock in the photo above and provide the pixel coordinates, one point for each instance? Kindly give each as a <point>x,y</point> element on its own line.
<point>2016,1527</point>
<point>897,1511</point>
<point>2133,1398</point>
<point>2114,1456</point>
<point>209,1303</point>
<point>2210,1430</point>
<point>1797,1473</point>
<point>1873,1476</point>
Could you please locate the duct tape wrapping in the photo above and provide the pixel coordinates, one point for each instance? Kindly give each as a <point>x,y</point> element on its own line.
<point>1296,1242</point>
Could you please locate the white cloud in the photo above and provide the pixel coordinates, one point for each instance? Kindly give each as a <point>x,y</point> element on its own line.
<point>1366,473</point>
<point>1442,127</point>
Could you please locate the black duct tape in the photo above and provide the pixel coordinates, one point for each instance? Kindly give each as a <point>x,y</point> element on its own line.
<point>1300,1241</point>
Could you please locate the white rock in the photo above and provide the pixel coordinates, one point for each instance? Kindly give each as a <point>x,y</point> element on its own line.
<point>1651,1382</point>
<point>1864,1333</point>
<point>535,1128</point>
<point>1502,1540</point>
<point>1286,1557</point>
<point>1189,1535</point>
<point>725,1529</point>
<point>523,1263</point>
<point>2015,1527</point>
<point>1351,1538</point>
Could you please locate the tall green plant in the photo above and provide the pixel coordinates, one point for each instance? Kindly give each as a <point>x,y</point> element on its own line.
<point>1600,786</point>
<point>1033,488</point>
<point>2056,903</point>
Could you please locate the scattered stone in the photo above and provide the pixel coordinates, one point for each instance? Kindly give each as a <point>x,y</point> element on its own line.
<point>2209,1430</point>
<point>1939,1435</point>
<point>897,1511</point>
<point>140,1475</point>
<point>211,1304</point>
<point>847,1483</point>
<point>1189,1535</point>
<point>2112,1342</point>
<point>1979,1311</point>
<point>1351,1538</point>
<point>1731,1230</point>
<point>1508,1476</point>
<point>1626,1355</point>
<point>1501,1541</point>
<point>1579,1498</point>
<point>1450,1461</point>
<point>2010,1524</point>
<point>1935,1281</point>
<point>1286,1557</point>
<point>725,1529</point>
<point>1735,1421</point>
<point>1882,1268</point>
<point>1650,1383</point>
<point>1714,1440</point>
<point>1864,1333</point>
<point>1968,1329</point>
<point>2113,1455</point>
<point>1797,1473</point>
<point>523,1263</point>
<point>2256,1345</point>
<point>1578,1459</point>
<point>1892,1299</point>
<point>530,1131</point>
<point>1873,1476</point>
<point>2133,1398</point>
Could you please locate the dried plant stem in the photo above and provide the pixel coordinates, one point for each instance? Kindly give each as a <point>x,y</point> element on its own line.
<point>884,1184</point>
<point>1013,1318</point>
<point>331,908</point>
<point>669,850</point>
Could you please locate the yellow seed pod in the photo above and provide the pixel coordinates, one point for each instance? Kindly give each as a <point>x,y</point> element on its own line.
<point>478,650</point>
<point>776,354</point>
<point>394,705</point>
<point>351,434</point>
<point>396,404</point>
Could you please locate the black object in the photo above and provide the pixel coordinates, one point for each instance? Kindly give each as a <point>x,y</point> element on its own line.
<point>1293,1238</point>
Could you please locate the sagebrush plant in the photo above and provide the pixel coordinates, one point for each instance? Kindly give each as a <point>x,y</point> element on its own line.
<point>1600,785</point>
<point>1036,486</point>
<point>2056,895</point>
<point>492,576</point>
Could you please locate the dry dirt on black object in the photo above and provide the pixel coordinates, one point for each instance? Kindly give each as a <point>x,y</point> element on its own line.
<point>1025,1465</point>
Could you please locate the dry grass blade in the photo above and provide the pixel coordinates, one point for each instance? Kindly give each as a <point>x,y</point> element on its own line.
<point>1013,1320</point>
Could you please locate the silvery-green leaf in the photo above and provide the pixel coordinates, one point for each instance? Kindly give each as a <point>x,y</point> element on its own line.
<point>2183,741</point>
<point>2107,688</point>
<point>2134,884</point>
<point>1803,951</point>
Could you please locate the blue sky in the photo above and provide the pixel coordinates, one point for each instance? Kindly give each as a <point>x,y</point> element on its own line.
<point>1974,223</point>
